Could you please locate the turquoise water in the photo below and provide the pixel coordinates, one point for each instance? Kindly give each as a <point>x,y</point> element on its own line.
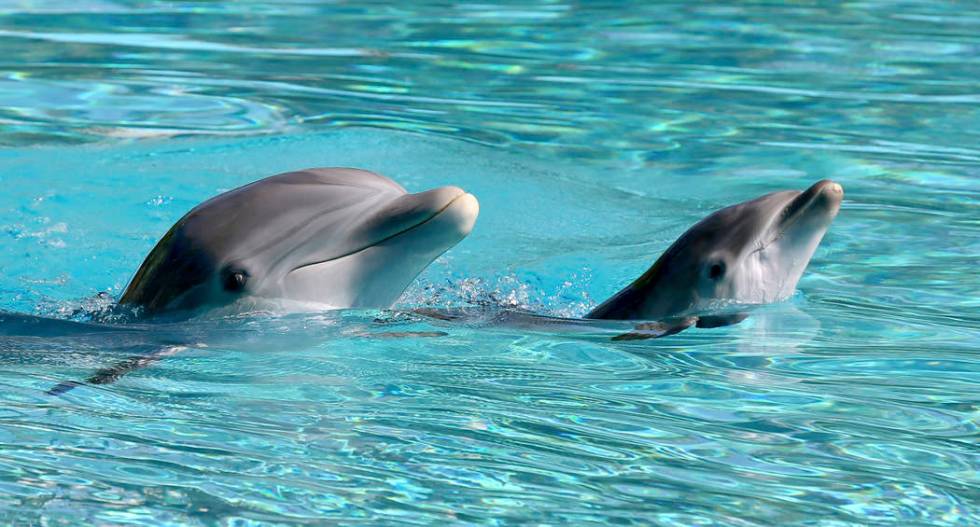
<point>593,134</point>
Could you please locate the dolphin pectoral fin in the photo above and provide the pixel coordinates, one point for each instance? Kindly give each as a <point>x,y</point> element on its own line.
<point>717,321</point>
<point>413,317</point>
<point>447,315</point>
<point>112,373</point>
<point>655,330</point>
<point>421,314</point>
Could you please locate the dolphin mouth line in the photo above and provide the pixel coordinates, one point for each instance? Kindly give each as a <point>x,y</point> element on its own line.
<point>790,216</point>
<point>434,215</point>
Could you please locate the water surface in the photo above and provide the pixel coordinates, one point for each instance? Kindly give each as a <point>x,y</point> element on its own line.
<point>593,134</point>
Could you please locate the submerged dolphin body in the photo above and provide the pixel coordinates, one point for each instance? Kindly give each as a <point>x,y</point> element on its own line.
<point>336,236</point>
<point>750,253</point>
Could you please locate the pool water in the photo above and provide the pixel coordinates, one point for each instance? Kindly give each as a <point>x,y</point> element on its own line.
<point>593,134</point>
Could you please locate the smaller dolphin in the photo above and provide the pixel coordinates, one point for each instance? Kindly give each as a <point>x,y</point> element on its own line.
<point>336,236</point>
<point>750,253</point>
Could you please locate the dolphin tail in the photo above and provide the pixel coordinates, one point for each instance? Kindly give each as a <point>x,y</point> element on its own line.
<point>112,373</point>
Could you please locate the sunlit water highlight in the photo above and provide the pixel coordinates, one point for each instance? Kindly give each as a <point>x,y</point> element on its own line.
<point>593,135</point>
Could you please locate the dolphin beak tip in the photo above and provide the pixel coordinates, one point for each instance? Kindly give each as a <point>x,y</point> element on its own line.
<point>463,211</point>
<point>830,186</point>
<point>829,192</point>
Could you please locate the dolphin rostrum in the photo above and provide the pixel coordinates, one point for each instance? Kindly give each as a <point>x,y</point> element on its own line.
<point>750,253</point>
<point>336,236</point>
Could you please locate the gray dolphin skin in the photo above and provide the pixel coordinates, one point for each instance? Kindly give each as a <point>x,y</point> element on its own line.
<point>333,237</point>
<point>339,237</point>
<point>351,238</point>
<point>747,254</point>
<point>750,253</point>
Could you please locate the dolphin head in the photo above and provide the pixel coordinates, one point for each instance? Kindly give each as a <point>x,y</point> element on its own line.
<point>337,236</point>
<point>749,253</point>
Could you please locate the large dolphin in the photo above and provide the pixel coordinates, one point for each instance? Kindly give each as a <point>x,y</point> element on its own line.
<point>336,236</point>
<point>750,253</point>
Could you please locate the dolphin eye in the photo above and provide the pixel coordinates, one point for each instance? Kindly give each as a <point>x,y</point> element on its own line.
<point>234,280</point>
<point>717,270</point>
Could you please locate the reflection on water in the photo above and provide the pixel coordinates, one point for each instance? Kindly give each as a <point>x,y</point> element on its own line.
<point>593,134</point>
<point>649,83</point>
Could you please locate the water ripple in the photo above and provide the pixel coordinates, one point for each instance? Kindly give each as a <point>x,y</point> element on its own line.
<point>593,135</point>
